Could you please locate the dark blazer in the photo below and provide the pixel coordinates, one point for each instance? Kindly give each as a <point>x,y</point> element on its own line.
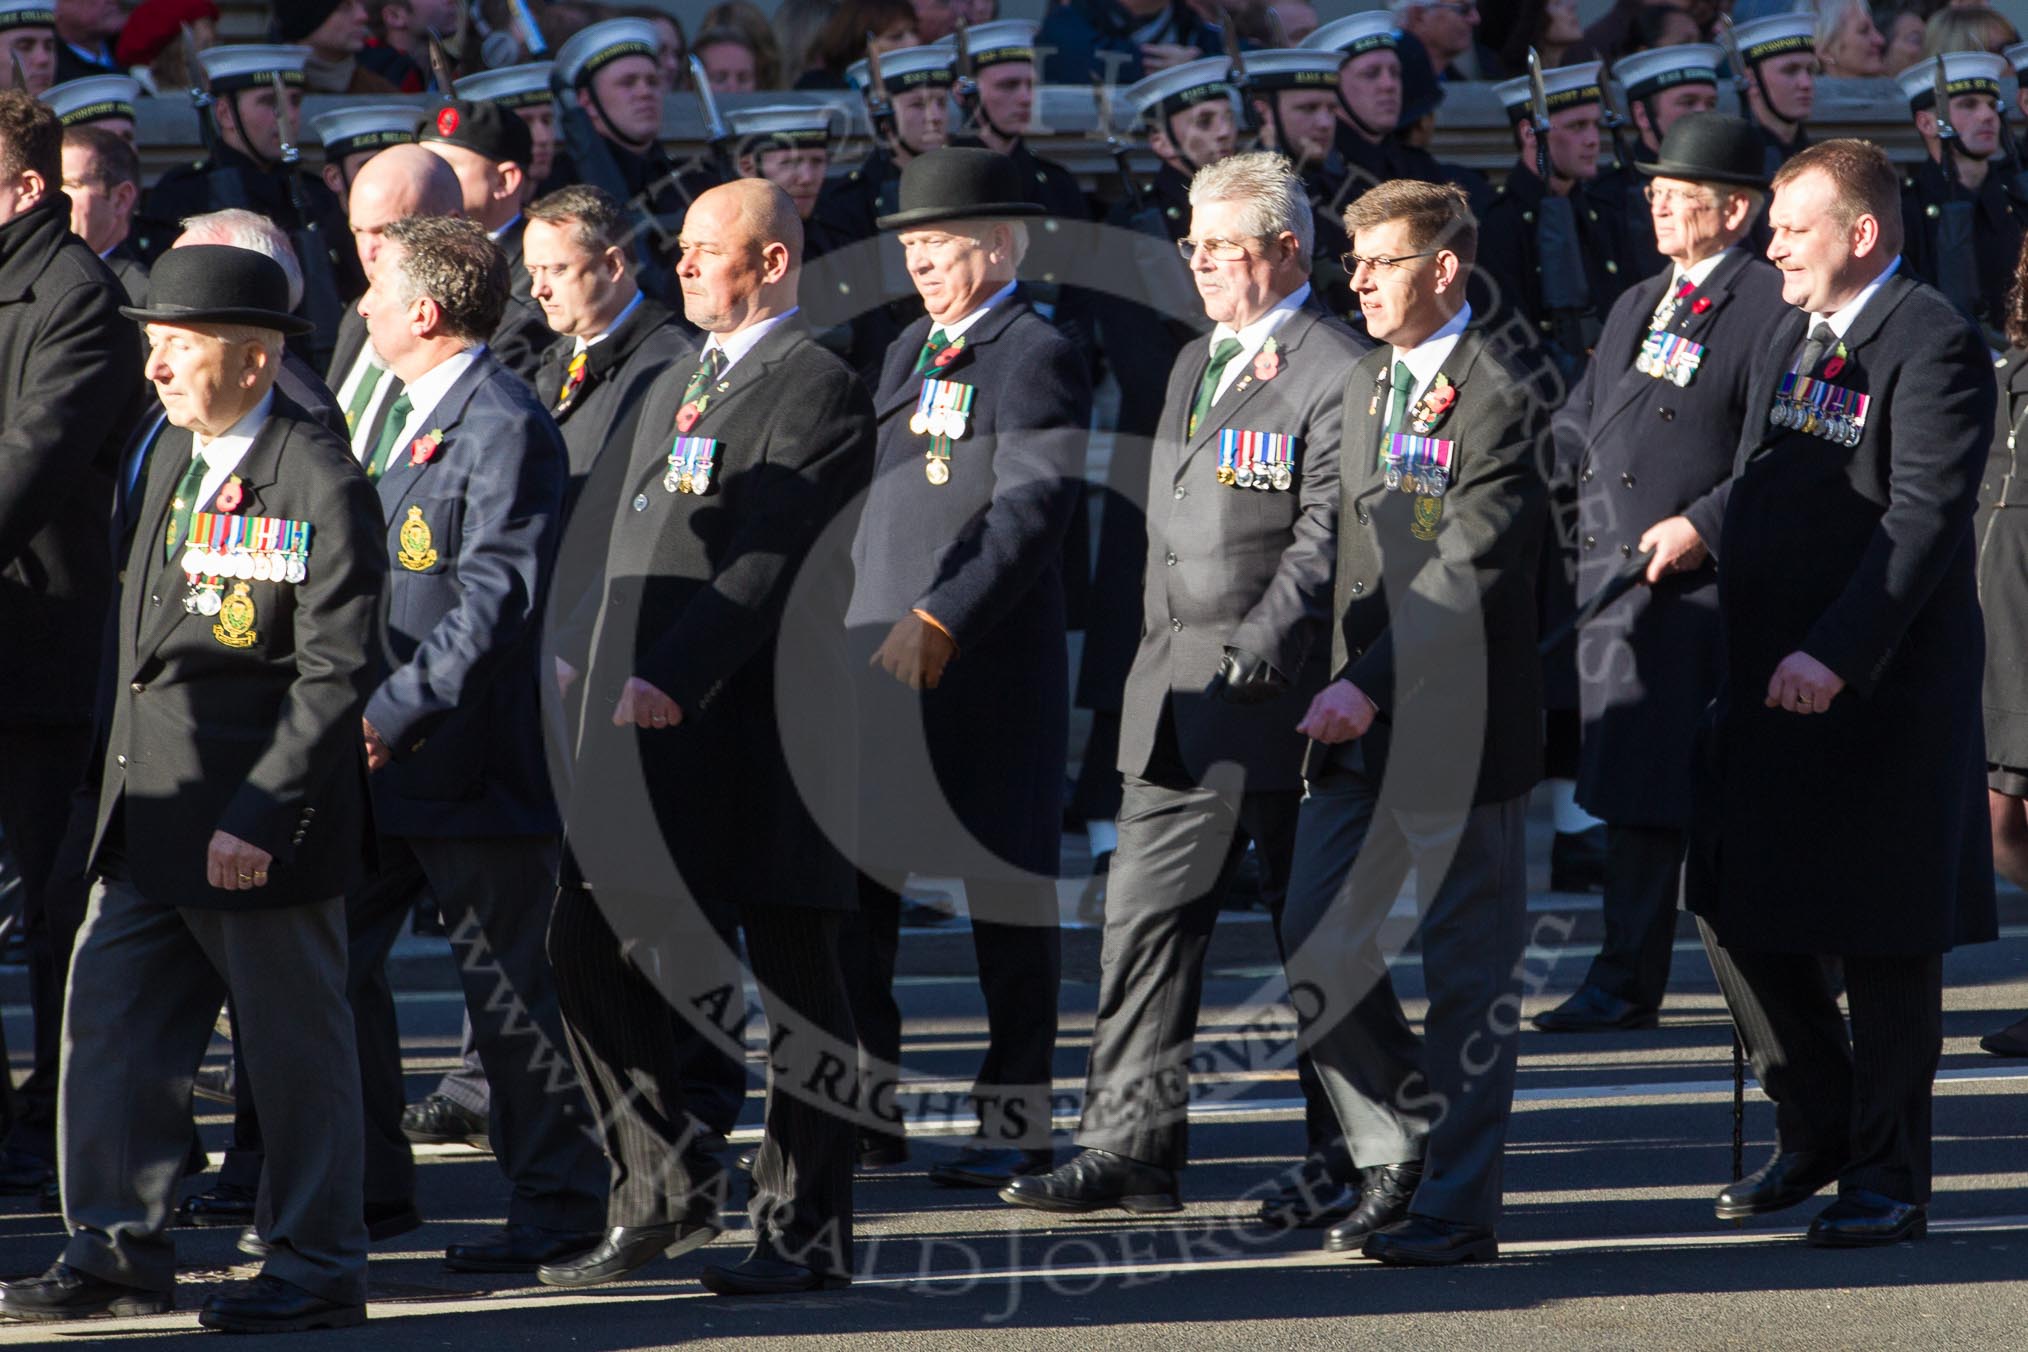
<point>983,554</point>
<point>261,741</point>
<point>1641,449</point>
<point>1862,829</point>
<point>70,388</point>
<point>1440,634</point>
<point>697,591</point>
<point>1241,567</point>
<point>523,335</point>
<point>132,272</point>
<point>1506,285</point>
<point>470,534</point>
<point>1085,39</point>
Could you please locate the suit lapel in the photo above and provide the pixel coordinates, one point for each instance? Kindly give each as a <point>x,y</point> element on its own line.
<point>1287,339</point>
<point>1630,384</point>
<point>402,475</point>
<point>985,331</point>
<point>1464,359</point>
<point>747,373</point>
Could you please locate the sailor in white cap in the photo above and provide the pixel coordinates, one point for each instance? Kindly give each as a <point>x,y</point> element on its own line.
<point>28,34</point>
<point>1962,225</point>
<point>525,89</point>
<point>613,70</point>
<point>789,145</point>
<point>353,135</point>
<point>1369,89</point>
<point>909,106</point>
<point>1780,56</point>
<point>96,100</point>
<point>1660,86</point>
<point>1294,92</point>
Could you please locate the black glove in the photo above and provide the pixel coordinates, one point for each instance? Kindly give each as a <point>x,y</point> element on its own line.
<point>1245,679</point>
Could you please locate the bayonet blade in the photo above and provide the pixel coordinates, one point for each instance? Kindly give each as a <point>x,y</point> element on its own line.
<point>714,125</point>
<point>285,122</point>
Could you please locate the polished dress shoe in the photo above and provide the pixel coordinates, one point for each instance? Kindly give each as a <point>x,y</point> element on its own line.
<point>759,1276</point>
<point>386,1220</point>
<point>271,1305</point>
<point>1863,1219</point>
<point>223,1205</point>
<point>214,1084</point>
<point>1384,1197</point>
<point>23,1174</point>
<point>979,1166</point>
<point>1577,861</point>
<point>879,1152</point>
<point>437,1120</point>
<point>2009,1041</point>
<point>1594,1010</point>
<point>1094,1181</point>
<point>63,1292</point>
<point>1789,1177</point>
<point>1316,1195</point>
<point>625,1249</point>
<point>518,1248</point>
<point>1425,1241</point>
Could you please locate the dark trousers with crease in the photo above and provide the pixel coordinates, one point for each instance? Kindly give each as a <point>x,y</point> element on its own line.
<point>1863,1095</point>
<point>629,1054</point>
<point>1644,876</point>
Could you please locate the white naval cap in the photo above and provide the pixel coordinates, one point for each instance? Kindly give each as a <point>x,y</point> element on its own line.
<point>1963,72</point>
<point>1776,35</point>
<point>1280,68</point>
<point>92,99</point>
<point>1168,92</point>
<point>367,127</point>
<point>249,65</point>
<point>787,126</point>
<point>906,68</point>
<point>27,14</point>
<point>992,43</point>
<point>1563,87</point>
<point>1659,68</point>
<point>521,86</point>
<point>592,49</point>
<point>1356,34</point>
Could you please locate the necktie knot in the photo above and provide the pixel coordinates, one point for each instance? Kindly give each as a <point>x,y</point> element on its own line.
<point>1222,353</point>
<point>932,348</point>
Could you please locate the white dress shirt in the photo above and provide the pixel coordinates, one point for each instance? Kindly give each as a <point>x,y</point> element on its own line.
<point>223,453</point>
<point>580,344</point>
<point>428,391</point>
<point>362,434</point>
<point>1841,318</point>
<point>1426,358</point>
<point>1253,337</point>
<point>745,341</point>
<point>957,327</point>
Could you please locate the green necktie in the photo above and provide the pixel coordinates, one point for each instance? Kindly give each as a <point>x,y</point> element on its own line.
<point>707,371</point>
<point>183,505</point>
<point>362,397</point>
<point>1207,388</point>
<point>936,344</point>
<point>390,432</point>
<point>1397,407</point>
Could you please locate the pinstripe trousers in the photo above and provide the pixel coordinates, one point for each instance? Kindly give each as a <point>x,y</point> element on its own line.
<point>1864,1096</point>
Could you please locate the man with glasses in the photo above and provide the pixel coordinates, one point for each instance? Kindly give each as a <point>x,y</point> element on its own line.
<point>1242,510</point>
<point>1677,355</point>
<point>1663,85</point>
<point>1426,742</point>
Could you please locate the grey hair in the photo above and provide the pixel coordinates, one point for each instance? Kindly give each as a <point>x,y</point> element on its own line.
<point>268,340</point>
<point>1831,16</point>
<point>1269,185</point>
<point>243,229</point>
<point>456,264</point>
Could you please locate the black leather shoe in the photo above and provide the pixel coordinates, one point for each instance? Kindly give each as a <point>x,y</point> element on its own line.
<point>23,1174</point>
<point>223,1205</point>
<point>1095,1180</point>
<point>877,1152</point>
<point>1314,1195</point>
<point>214,1084</point>
<point>1577,861</point>
<point>979,1166</point>
<point>2009,1041</point>
<point>1789,1177</point>
<point>63,1292</point>
<point>388,1220</point>
<point>436,1120</point>
<point>518,1248</point>
<point>271,1305</point>
<point>1594,1010</point>
<point>625,1249</point>
<point>1384,1197</point>
<point>1425,1241</point>
<point>769,1277</point>
<point>1863,1219</point>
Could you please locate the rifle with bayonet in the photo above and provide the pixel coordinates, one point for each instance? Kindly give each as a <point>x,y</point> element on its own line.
<point>965,82</point>
<point>1140,214</point>
<point>532,40</point>
<point>1235,74</point>
<point>1957,271</point>
<point>323,303</point>
<point>1559,253</point>
<point>1742,86</point>
<point>1614,121</point>
<point>717,136</point>
<point>593,160</point>
<point>440,66</point>
<point>223,185</point>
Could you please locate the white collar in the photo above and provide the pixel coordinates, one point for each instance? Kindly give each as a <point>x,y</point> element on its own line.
<point>745,340</point>
<point>1426,358</point>
<point>956,328</point>
<point>1253,335</point>
<point>223,453</point>
<point>580,344</point>
<point>427,390</point>
<point>495,234</point>
<point>1698,273</point>
<point>1841,319</point>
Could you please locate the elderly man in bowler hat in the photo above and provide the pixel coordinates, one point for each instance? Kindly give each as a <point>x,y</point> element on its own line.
<point>232,821</point>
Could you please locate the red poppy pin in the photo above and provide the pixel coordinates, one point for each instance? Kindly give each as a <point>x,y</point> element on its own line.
<point>230,495</point>
<point>1267,364</point>
<point>1441,397</point>
<point>1700,305</point>
<point>686,416</point>
<point>447,122</point>
<point>1836,364</point>
<point>424,449</point>
<point>948,355</point>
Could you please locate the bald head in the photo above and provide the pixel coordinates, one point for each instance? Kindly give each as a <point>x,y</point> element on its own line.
<point>399,181</point>
<point>742,244</point>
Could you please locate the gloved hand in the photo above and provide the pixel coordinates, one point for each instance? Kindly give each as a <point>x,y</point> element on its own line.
<point>1243,678</point>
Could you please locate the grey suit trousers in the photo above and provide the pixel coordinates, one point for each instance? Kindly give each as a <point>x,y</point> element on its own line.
<point>145,985</point>
<point>1443,1098</point>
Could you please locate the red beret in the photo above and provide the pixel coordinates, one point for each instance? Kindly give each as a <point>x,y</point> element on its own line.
<point>154,24</point>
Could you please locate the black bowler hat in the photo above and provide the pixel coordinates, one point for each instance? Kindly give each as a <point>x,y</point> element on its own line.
<point>483,128</point>
<point>218,284</point>
<point>958,183</point>
<point>1711,148</point>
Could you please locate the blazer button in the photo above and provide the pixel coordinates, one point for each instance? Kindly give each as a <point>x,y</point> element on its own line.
<point>1666,414</point>
<point>1182,493</point>
<point>120,759</point>
<point>137,687</point>
<point>1358,588</point>
<point>640,502</point>
<point>1175,624</point>
<point>154,600</point>
<point>1627,479</point>
<point>1359,513</point>
<point>1626,551</point>
<point>1591,542</point>
<point>1585,477</point>
<point>1170,559</point>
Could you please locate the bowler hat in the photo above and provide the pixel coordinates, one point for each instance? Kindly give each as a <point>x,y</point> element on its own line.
<point>1711,148</point>
<point>958,183</point>
<point>218,284</point>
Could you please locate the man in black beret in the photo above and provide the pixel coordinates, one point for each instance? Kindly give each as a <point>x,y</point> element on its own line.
<point>232,821</point>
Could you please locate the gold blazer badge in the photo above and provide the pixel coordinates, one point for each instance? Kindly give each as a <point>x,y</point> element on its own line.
<point>235,627</point>
<point>417,549</point>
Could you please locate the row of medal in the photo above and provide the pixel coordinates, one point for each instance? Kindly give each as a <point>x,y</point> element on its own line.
<point>1670,357</point>
<point>249,548</point>
<point>943,409</point>
<point>1256,459</point>
<point>691,461</point>
<point>1804,404</point>
<point>1419,464</point>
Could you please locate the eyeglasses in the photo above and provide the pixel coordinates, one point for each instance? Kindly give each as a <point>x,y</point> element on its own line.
<point>1352,262</point>
<point>1221,250</point>
<point>1674,198</point>
<point>1458,7</point>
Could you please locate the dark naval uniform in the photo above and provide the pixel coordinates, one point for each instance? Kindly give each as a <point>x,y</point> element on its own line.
<point>1976,283</point>
<point>1510,260</point>
<point>2003,579</point>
